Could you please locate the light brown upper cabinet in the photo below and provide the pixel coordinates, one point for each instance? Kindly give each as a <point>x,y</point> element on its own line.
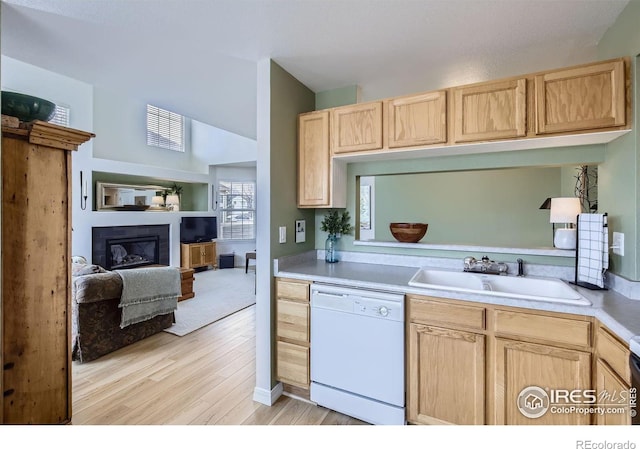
<point>572,102</point>
<point>581,98</point>
<point>356,128</point>
<point>490,111</point>
<point>313,159</point>
<point>417,120</point>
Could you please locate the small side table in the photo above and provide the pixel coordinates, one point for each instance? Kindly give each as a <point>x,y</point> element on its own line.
<point>186,277</point>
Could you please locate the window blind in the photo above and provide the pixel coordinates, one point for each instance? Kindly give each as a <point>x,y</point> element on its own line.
<point>61,116</point>
<point>237,210</point>
<point>165,129</point>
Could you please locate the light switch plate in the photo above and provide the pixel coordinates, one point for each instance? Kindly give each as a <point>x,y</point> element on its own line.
<point>618,243</point>
<point>301,226</point>
<point>283,234</point>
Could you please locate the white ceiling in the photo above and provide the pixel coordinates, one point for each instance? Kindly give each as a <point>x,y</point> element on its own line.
<point>387,47</point>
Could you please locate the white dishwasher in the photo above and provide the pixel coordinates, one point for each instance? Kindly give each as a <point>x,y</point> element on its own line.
<point>357,353</point>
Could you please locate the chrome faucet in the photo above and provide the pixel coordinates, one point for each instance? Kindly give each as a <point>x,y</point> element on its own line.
<point>485,266</point>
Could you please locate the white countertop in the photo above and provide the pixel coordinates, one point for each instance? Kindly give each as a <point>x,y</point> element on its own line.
<point>619,313</point>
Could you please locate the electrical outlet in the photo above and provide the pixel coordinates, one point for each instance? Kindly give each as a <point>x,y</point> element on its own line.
<point>300,231</point>
<point>618,243</point>
<point>283,234</point>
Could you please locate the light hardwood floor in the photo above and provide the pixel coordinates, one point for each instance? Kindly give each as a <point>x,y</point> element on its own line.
<point>206,377</point>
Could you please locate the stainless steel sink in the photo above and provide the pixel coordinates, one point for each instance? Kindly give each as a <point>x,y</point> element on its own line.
<point>531,288</point>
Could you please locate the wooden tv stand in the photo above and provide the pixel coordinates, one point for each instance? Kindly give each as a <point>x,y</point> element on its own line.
<point>198,255</point>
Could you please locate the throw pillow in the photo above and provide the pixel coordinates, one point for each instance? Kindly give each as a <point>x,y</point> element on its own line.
<point>82,269</point>
<point>79,259</point>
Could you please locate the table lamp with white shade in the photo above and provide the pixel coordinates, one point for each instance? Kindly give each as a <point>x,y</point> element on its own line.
<point>157,202</point>
<point>565,210</point>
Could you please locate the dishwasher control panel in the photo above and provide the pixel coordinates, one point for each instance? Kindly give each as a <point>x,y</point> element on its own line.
<point>375,308</point>
<point>371,303</point>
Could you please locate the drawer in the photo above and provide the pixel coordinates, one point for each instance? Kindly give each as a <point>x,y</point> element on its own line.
<point>541,328</point>
<point>292,290</point>
<point>292,320</point>
<point>186,274</point>
<point>429,311</point>
<point>614,353</point>
<point>292,365</point>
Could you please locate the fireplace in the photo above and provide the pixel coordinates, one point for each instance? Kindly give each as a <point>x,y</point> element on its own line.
<point>132,252</point>
<point>122,247</point>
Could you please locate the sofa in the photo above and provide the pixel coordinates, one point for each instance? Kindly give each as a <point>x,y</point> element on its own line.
<point>97,316</point>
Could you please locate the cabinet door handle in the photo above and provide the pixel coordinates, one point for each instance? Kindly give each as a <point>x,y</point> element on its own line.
<point>8,392</point>
<point>9,365</point>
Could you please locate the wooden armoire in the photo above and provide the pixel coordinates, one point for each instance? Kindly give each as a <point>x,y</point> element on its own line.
<point>35,311</point>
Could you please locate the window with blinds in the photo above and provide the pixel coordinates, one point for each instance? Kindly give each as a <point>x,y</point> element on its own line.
<point>237,210</point>
<point>165,129</point>
<point>61,116</point>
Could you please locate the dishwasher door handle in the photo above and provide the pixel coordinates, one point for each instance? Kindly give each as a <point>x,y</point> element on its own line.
<point>329,295</point>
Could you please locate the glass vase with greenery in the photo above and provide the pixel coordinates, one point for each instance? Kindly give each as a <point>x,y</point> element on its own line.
<point>336,224</point>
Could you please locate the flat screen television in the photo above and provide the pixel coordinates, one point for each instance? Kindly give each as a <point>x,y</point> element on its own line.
<point>198,229</point>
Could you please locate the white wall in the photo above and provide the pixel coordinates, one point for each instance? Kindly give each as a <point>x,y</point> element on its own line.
<point>64,91</point>
<point>120,127</point>
<point>211,145</point>
<point>263,392</point>
<point>76,95</point>
<point>119,123</point>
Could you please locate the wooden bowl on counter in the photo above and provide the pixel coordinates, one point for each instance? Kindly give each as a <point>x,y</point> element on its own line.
<point>408,232</point>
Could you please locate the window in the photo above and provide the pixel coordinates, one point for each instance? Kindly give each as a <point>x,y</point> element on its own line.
<point>165,129</point>
<point>237,200</point>
<point>61,116</point>
<point>367,207</point>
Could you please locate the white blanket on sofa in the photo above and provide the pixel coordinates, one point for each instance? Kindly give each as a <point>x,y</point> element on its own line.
<point>148,292</point>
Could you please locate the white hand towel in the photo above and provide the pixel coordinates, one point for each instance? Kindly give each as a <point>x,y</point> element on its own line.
<point>593,249</point>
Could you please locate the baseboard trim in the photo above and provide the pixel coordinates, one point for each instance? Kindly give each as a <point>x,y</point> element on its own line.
<point>267,397</point>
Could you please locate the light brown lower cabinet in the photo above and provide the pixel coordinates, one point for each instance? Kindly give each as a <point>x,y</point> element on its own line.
<point>292,364</point>
<point>292,332</point>
<point>473,363</point>
<point>198,255</point>
<point>451,389</point>
<point>612,396</point>
<point>519,366</point>
<point>612,379</point>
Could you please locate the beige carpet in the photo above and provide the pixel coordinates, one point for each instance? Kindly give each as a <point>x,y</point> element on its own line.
<point>219,293</point>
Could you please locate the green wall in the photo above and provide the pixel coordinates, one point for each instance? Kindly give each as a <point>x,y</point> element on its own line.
<point>618,164</point>
<point>546,157</point>
<point>480,207</point>
<point>618,176</point>
<point>336,97</point>
<point>288,98</point>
